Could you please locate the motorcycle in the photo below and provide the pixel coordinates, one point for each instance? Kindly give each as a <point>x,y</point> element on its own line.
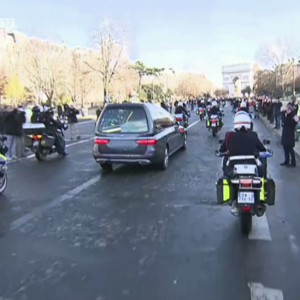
<point>214,124</point>
<point>201,113</point>
<point>208,109</point>
<point>183,121</point>
<point>3,165</point>
<point>246,188</point>
<point>41,142</point>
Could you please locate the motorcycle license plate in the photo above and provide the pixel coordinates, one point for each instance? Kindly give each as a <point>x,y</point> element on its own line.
<point>246,197</point>
<point>213,125</point>
<point>35,144</point>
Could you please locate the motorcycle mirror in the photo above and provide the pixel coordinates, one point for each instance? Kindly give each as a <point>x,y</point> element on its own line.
<point>220,141</point>
<point>266,142</point>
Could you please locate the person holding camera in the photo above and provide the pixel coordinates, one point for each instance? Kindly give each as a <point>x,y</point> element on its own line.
<point>289,122</point>
<point>72,113</point>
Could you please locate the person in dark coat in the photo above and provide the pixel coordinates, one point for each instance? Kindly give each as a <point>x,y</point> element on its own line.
<point>72,113</point>
<point>277,109</point>
<point>289,120</point>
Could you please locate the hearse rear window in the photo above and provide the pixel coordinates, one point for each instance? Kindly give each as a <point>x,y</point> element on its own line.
<point>125,120</point>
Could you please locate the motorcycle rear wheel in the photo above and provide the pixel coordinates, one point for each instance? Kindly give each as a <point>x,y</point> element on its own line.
<point>245,223</point>
<point>40,156</point>
<point>214,131</point>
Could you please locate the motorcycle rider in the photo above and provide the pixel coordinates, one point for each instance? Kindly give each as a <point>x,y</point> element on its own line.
<point>201,104</point>
<point>243,107</point>
<point>240,142</point>
<point>216,111</point>
<point>37,116</point>
<point>51,127</point>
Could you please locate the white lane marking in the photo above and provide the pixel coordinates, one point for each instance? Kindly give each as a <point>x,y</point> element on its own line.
<point>193,124</point>
<point>67,146</point>
<point>259,292</point>
<point>293,244</point>
<point>260,229</point>
<point>86,122</point>
<point>38,211</point>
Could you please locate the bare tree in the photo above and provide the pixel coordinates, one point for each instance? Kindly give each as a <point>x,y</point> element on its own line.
<point>278,57</point>
<point>45,67</point>
<point>191,84</point>
<point>79,81</point>
<point>110,43</point>
<point>221,92</point>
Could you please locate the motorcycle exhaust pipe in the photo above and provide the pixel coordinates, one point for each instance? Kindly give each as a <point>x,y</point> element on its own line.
<point>260,210</point>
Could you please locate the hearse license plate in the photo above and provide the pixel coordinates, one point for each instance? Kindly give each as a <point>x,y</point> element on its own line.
<point>246,197</point>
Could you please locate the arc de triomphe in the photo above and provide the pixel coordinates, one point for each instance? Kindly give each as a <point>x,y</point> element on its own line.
<point>236,78</point>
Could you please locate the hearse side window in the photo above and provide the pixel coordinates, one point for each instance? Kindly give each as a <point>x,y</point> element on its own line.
<point>164,118</point>
<point>124,120</point>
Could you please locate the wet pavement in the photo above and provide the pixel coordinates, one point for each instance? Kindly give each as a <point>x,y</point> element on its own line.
<point>70,231</point>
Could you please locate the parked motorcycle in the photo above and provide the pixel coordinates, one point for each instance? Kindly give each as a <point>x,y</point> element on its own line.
<point>42,142</point>
<point>246,188</point>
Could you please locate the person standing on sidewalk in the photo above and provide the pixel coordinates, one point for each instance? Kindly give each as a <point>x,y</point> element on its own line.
<point>277,113</point>
<point>21,119</point>
<point>72,113</point>
<point>11,131</point>
<point>289,120</point>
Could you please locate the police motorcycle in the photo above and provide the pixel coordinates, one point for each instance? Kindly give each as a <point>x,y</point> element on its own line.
<point>213,123</point>
<point>183,119</point>
<point>208,108</point>
<point>201,111</point>
<point>3,164</point>
<point>41,141</point>
<point>245,188</point>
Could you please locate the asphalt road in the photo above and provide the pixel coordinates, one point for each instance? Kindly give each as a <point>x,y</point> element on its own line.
<point>69,231</point>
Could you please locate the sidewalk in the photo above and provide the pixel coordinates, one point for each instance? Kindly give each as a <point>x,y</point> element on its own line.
<point>278,133</point>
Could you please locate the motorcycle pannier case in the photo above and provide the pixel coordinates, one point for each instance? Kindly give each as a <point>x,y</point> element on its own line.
<point>207,123</point>
<point>270,189</point>
<point>224,190</point>
<point>48,142</point>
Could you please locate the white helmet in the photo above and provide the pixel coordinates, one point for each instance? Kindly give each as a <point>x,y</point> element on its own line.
<point>214,103</point>
<point>242,120</point>
<point>180,103</point>
<point>243,104</point>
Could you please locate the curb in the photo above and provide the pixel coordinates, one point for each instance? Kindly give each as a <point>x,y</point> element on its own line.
<point>270,126</point>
